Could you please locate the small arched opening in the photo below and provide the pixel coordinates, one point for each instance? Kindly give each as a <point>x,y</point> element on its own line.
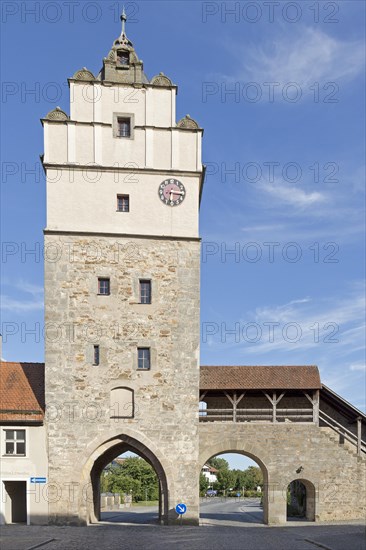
<point>108,453</point>
<point>202,411</point>
<point>233,489</point>
<point>301,500</point>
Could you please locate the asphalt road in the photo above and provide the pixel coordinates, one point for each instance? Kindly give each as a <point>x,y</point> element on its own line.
<point>225,525</point>
<point>207,537</point>
<point>214,511</point>
<point>231,511</point>
<point>142,515</point>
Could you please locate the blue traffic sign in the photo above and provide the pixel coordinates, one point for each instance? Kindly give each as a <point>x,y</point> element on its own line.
<point>38,479</point>
<point>181,508</point>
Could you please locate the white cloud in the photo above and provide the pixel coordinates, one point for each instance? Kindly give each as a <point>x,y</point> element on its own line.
<point>294,196</point>
<point>20,306</point>
<point>358,367</point>
<point>29,288</point>
<point>327,331</point>
<point>335,327</point>
<point>306,57</point>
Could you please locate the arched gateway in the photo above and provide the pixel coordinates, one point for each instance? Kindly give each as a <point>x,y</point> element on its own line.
<point>104,454</point>
<point>228,446</point>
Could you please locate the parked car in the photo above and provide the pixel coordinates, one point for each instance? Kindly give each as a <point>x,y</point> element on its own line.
<point>211,493</point>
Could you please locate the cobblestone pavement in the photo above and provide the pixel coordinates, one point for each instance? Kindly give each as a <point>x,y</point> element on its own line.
<point>348,536</point>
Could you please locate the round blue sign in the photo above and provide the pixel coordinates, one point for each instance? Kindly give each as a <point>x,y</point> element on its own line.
<point>181,508</point>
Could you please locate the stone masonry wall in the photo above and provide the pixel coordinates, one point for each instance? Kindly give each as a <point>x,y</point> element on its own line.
<point>78,393</point>
<point>337,473</point>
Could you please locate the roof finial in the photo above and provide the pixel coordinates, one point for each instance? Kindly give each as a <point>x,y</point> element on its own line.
<point>122,40</point>
<point>123,19</point>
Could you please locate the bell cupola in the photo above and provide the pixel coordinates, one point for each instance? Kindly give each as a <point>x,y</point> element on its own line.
<point>122,63</point>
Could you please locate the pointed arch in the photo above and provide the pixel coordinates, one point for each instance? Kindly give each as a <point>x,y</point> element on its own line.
<point>102,453</point>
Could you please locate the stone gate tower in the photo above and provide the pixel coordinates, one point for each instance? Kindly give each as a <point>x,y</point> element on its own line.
<point>124,181</point>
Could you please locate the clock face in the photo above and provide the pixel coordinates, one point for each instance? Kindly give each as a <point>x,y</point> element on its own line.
<point>172,192</point>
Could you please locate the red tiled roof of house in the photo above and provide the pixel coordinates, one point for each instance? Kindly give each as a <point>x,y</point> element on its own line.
<point>22,392</point>
<point>259,377</point>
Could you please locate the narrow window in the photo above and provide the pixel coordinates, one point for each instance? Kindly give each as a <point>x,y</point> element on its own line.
<point>124,127</point>
<point>123,203</point>
<point>15,442</point>
<point>145,291</point>
<point>104,286</point>
<point>123,58</point>
<point>143,358</point>
<point>96,355</point>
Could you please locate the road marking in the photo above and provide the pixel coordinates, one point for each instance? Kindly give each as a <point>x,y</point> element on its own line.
<point>40,544</point>
<point>319,544</point>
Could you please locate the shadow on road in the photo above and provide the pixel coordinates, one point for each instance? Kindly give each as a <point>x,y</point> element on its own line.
<point>145,515</point>
<point>234,516</point>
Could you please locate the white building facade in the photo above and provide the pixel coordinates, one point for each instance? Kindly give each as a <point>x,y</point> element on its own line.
<point>23,451</point>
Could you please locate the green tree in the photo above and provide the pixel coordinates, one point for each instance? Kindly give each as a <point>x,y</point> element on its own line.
<point>218,463</point>
<point>226,479</point>
<point>254,477</point>
<point>204,484</point>
<point>134,476</point>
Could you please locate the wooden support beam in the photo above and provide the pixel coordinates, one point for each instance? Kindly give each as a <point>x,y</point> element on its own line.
<point>202,396</point>
<point>274,407</point>
<point>240,398</point>
<point>229,397</point>
<point>359,433</point>
<point>233,404</point>
<point>274,401</point>
<point>314,400</point>
<point>271,400</point>
<point>316,407</point>
<point>234,400</point>
<point>280,397</point>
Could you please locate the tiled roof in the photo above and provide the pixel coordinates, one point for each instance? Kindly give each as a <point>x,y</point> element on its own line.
<point>259,378</point>
<point>21,392</point>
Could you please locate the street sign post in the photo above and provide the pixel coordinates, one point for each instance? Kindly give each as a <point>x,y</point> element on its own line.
<point>38,480</point>
<point>181,509</point>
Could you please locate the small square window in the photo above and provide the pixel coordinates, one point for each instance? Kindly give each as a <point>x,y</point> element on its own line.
<point>124,127</point>
<point>15,442</point>
<point>123,203</point>
<point>96,356</point>
<point>143,355</point>
<point>145,291</point>
<point>123,58</point>
<point>104,286</point>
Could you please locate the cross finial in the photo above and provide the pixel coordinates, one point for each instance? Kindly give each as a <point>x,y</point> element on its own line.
<point>123,19</point>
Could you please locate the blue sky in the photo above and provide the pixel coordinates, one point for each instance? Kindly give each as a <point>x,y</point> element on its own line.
<point>280,94</point>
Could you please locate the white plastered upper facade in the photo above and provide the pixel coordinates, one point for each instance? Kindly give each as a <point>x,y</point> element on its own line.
<point>88,164</point>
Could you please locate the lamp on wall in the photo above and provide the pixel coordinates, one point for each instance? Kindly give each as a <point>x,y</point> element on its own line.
<point>299,470</point>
